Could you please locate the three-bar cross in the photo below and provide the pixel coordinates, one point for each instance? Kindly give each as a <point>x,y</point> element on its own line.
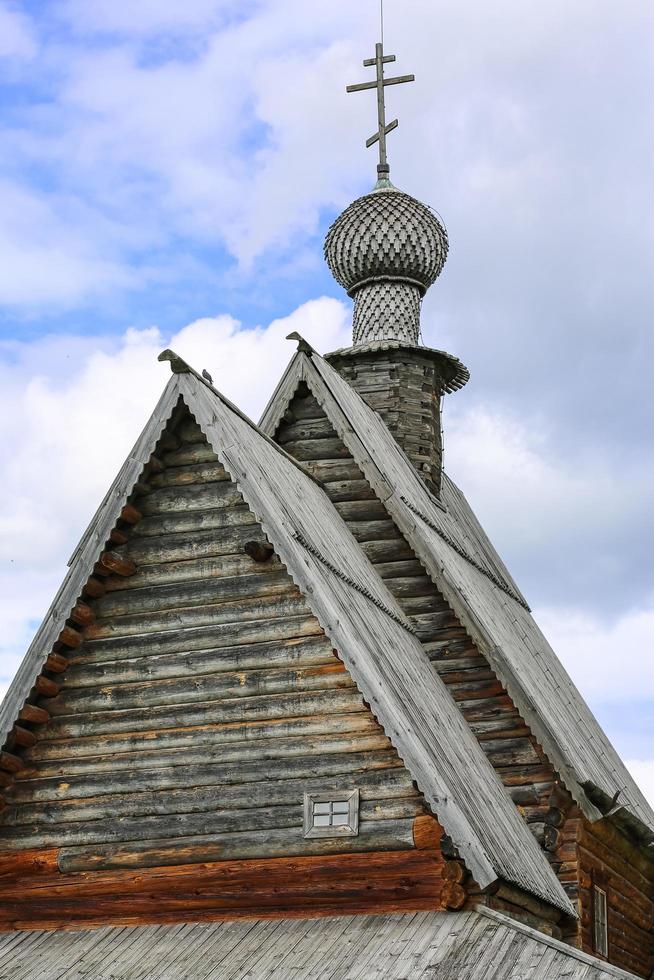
<point>380,83</point>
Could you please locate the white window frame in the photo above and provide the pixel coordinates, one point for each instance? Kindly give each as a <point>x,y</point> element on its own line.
<point>348,829</point>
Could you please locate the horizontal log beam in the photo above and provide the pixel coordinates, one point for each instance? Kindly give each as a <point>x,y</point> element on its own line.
<point>374,785</point>
<point>256,582</point>
<point>188,455</point>
<point>189,521</point>
<point>238,610</point>
<point>310,651</point>
<point>283,842</point>
<point>236,633</point>
<point>206,687</point>
<point>81,787</point>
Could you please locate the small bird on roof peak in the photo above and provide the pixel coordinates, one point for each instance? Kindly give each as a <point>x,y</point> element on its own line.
<point>302,344</point>
<point>207,376</point>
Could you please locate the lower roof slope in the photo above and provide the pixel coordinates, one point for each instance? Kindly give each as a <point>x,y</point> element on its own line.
<point>472,945</point>
<point>456,552</point>
<point>364,623</point>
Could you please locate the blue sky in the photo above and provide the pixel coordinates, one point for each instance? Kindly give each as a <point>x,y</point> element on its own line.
<point>167,175</point>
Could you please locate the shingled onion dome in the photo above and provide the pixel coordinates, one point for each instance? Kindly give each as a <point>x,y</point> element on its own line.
<point>386,249</point>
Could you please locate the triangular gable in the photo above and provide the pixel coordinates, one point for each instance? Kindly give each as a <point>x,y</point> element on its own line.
<point>364,623</point>
<point>84,558</point>
<point>463,564</point>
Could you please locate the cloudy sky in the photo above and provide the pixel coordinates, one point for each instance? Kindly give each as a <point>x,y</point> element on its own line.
<point>167,174</point>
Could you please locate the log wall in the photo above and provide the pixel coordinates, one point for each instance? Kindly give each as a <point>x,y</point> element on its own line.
<point>609,858</point>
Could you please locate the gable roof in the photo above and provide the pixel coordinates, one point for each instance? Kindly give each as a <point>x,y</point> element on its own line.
<point>450,543</point>
<point>471,945</point>
<point>363,621</point>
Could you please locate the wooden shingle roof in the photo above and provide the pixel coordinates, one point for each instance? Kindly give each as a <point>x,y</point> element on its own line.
<point>472,945</point>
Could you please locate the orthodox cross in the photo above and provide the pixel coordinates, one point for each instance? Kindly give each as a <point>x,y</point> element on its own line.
<point>380,83</point>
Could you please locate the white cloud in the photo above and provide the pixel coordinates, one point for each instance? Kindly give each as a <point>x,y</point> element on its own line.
<point>567,521</point>
<point>145,17</point>
<point>16,35</point>
<point>242,137</point>
<point>610,662</point>
<point>55,251</point>
<point>643,772</point>
<point>70,410</point>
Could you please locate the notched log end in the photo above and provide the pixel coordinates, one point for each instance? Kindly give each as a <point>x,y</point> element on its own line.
<point>259,550</point>
<point>111,563</point>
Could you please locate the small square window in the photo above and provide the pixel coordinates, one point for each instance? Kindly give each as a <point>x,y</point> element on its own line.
<point>331,814</point>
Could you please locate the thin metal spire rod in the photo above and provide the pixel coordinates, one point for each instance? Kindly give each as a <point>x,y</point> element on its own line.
<point>380,83</point>
<point>381,21</point>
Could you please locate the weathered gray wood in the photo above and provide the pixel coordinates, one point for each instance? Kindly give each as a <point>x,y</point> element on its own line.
<point>205,497</point>
<point>188,546</point>
<point>208,471</point>
<point>301,430</point>
<point>363,510</point>
<point>189,455</point>
<point>310,451</point>
<point>201,736</point>
<point>235,610</point>
<point>329,471</point>
<point>501,626</point>
<point>391,691</point>
<point>468,945</point>
<point>87,552</point>
<point>205,687</point>
<point>80,787</point>
<point>190,570</point>
<point>213,824</point>
<point>374,785</point>
<point>340,491</point>
<point>374,835</point>
<point>196,592</point>
<point>189,521</point>
<point>219,712</point>
<point>199,638</point>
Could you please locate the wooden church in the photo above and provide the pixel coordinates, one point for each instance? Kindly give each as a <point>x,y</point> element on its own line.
<point>289,715</point>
